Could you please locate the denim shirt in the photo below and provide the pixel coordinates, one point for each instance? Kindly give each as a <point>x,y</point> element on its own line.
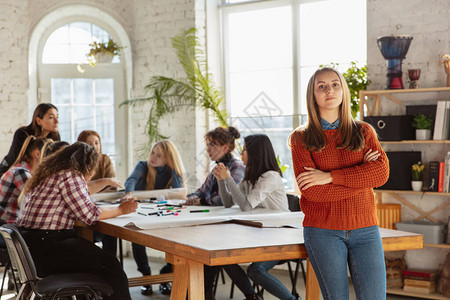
<point>329,126</point>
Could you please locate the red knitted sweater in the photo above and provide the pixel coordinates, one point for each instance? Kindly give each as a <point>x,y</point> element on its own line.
<point>348,203</point>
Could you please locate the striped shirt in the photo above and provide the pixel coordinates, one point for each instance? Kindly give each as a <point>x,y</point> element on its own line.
<point>57,202</point>
<point>11,185</point>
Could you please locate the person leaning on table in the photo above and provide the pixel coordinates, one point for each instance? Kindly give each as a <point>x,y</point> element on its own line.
<point>57,196</point>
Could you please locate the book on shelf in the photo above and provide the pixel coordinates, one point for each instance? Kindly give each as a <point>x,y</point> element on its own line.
<point>441,177</point>
<point>442,121</point>
<point>447,173</point>
<point>420,273</point>
<point>433,176</point>
<point>419,283</point>
<point>421,278</point>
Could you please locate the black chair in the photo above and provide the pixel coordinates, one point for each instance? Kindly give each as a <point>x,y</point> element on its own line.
<point>53,286</point>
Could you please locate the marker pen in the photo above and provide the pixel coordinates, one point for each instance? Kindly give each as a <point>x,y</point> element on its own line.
<point>199,211</point>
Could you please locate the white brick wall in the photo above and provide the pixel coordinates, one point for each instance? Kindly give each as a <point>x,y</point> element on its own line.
<point>427,22</point>
<point>149,25</point>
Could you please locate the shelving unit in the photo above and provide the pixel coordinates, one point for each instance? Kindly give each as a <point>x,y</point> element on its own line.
<point>373,108</point>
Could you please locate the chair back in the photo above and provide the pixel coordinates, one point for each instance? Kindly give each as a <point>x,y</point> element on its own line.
<point>293,202</point>
<point>19,254</point>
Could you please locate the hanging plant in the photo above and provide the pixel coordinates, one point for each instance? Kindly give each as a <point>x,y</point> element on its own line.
<point>101,52</point>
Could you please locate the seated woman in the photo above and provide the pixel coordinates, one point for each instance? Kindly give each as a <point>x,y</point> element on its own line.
<point>13,181</point>
<point>261,187</point>
<point>56,197</point>
<point>44,124</point>
<point>104,175</point>
<point>162,170</point>
<point>220,144</point>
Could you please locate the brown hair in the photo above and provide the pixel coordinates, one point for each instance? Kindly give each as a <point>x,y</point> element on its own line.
<point>224,136</point>
<point>78,157</point>
<point>83,136</point>
<point>350,135</point>
<point>39,112</point>
<point>30,144</point>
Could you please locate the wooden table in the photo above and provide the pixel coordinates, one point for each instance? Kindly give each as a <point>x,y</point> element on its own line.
<point>189,248</point>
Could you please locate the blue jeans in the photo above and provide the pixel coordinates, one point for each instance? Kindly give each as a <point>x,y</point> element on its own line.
<point>330,251</point>
<point>257,272</point>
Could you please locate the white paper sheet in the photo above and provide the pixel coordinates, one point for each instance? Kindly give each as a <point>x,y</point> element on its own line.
<point>267,218</point>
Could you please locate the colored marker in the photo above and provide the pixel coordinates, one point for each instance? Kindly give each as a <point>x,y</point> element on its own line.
<point>139,213</point>
<point>154,213</point>
<point>199,211</point>
<point>160,202</point>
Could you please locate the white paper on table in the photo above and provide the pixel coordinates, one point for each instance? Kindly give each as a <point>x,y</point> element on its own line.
<point>256,217</point>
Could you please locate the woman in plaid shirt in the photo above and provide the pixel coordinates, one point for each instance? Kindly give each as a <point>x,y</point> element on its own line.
<point>57,196</point>
<point>13,181</point>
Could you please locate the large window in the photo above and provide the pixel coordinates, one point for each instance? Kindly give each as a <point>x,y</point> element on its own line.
<point>87,97</point>
<point>272,48</point>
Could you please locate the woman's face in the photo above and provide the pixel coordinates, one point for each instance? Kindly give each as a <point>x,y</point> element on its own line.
<point>244,155</point>
<point>94,142</point>
<point>157,158</point>
<point>215,150</point>
<point>49,122</point>
<point>328,91</point>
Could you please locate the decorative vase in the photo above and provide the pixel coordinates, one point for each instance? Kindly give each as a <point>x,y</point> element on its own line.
<point>414,75</point>
<point>103,57</point>
<point>423,134</point>
<point>394,49</point>
<point>416,185</point>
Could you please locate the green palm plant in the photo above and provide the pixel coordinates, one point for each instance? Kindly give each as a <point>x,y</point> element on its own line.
<point>168,95</point>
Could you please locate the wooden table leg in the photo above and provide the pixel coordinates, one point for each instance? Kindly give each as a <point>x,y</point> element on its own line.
<point>187,276</point>
<point>312,285</point>
<point>196,281</point>
<point>180,277</point>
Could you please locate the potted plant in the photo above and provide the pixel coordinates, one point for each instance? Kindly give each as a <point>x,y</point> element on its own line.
<point>197,89</point>
<point>423,125</point>
<point>416,176</point>
<point>102,52</point>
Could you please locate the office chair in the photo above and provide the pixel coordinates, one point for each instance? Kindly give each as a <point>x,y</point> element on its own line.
<point>53,286</point>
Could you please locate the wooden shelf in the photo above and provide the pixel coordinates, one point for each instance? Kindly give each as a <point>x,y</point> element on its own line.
<point>442,246</point>
<point>398,291</point>
<point>401,91</point>
<point>411,192</point>
<point>417,142</point>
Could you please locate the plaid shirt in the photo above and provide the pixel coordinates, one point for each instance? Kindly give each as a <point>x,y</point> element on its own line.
<point>11,184</point>
<point>57,202</point>
<point>206,193</point>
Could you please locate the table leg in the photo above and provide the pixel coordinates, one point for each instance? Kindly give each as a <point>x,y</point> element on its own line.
<point>312,285</point>
<point>196,281</point>
<point>180,278</point>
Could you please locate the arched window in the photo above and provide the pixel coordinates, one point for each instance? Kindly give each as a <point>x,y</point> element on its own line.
<point>86,97</point>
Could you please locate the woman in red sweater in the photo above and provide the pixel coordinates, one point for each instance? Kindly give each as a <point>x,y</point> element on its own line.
<point>337,162</point>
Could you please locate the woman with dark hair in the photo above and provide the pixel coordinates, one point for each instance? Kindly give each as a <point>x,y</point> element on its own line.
<point>337,163</point>
<point>220,144</point>
<point>262,187</point>
<point>56,197</point>
<point>13,182</point>
<point>43,124</point>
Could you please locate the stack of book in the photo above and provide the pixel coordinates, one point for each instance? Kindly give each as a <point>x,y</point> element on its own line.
<point>421,281</point>
<point>442,121</point>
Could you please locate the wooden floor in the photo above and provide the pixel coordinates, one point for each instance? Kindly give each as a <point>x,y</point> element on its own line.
<point>223,290</point>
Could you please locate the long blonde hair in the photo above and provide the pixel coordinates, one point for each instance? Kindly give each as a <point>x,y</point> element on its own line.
<point>30,144</point>
<point>349,131</point>
<point>173,162</point>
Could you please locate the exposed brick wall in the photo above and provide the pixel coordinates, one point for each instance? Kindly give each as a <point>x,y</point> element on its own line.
<point>149,25</point>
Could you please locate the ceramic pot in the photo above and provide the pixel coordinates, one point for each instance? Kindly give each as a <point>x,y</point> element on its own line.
<point>103,57</point>
<point>423,134</point>
<point>416,185</point>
